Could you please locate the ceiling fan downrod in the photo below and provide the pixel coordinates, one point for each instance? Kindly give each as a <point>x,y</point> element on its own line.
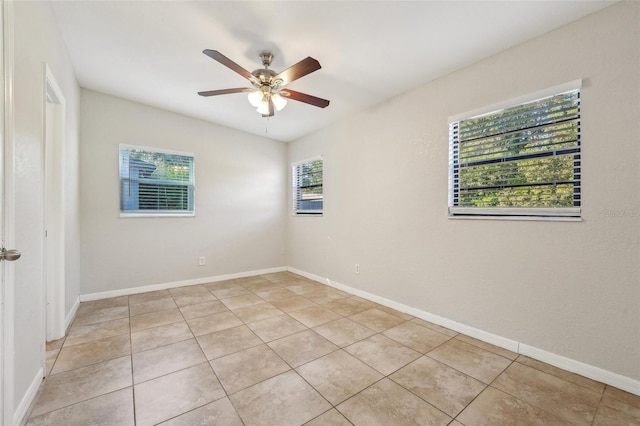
<point>266,57</point>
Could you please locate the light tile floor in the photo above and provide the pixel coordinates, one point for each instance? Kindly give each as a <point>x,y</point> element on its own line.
<point>281,350</point>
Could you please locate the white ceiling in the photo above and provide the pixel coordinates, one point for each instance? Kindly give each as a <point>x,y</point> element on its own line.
<point>370,51</point>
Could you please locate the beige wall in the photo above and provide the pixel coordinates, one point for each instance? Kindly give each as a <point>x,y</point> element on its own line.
<point>570,288</point>
<point>37,42</point>
<point>240,200</point>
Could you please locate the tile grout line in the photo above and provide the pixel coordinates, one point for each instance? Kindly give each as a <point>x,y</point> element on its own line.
<point>133,389</point>
<point>27,419</point>
<point>604,386</point>
<point>488,385</point>
<point>529,402</point>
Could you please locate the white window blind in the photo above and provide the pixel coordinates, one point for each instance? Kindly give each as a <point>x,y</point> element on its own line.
<point>156,182</point>
<point>519,161</point>
<point>307,187</point>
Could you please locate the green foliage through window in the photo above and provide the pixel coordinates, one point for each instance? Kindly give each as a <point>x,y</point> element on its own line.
<point>527,156</point>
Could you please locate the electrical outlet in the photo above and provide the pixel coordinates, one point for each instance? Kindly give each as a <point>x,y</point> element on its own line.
<point>201,261</point>
<point>357,269</point>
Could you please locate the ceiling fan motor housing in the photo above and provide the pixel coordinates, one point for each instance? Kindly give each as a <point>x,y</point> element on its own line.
<point>264,76</point>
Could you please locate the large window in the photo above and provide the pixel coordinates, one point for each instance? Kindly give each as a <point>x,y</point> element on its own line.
<point>307,187</point>
<point>522,161</point>
<point>155,182</point>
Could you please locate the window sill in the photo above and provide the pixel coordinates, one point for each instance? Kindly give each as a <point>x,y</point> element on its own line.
<point>520,218</point>
<point>126,215</point>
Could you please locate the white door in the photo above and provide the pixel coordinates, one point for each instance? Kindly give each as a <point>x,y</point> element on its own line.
<point>7,214</point>
<point>2,279</point>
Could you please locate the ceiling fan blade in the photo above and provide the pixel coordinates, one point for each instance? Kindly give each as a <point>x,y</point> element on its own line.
<point>294,72</point>
<point>303,97</point>
<point>225,91</point>
<point>215,55</point>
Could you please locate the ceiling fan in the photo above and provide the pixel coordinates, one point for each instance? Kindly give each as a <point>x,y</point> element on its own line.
<point>268,93</point>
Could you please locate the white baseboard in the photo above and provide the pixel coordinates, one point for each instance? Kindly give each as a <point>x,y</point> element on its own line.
<point>595,373</point>
<point>29,396</point>
<point>164,286</point>
<point>71,315</point>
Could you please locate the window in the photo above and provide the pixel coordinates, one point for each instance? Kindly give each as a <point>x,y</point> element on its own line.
<point>521,161</point>
<point>155,182</point>
<point>307,187</point>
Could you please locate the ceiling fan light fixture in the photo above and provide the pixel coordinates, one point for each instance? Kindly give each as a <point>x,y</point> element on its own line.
<point>263,109</point>
<point>278,101</point>
<point>255,98</point>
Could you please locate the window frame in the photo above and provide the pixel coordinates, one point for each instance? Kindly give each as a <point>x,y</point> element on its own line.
<point>296,211</point>
<point>157,213</point>
<point>513,213</point>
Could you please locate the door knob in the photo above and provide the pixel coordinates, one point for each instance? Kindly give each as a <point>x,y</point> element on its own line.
<point>9,255</point>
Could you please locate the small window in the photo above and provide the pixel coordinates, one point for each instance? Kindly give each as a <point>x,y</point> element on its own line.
<point>156,182</point>
<point>307,187</point>
<point>521,161</point>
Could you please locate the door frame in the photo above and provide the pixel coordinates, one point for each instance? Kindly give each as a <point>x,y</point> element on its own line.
<point>54,107</point>
<point>7,214</point>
